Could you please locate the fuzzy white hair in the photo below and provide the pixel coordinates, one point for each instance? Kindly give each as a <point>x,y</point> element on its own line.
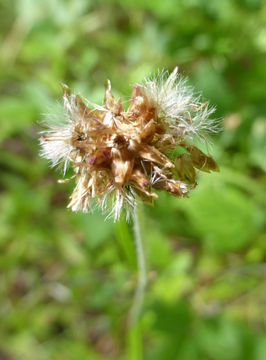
<point>121,199</point>
<point>56,146</point>
<point>177,106</point>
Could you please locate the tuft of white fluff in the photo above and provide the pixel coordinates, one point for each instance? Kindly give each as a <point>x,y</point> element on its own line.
<point>123,198</point>
<point>56,140</point>
<point>56,146</point>
<point>177,106</point>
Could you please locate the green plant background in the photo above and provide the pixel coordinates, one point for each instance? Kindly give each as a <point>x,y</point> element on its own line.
<point>67,280</point>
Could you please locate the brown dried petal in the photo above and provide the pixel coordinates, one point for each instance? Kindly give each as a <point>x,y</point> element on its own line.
<point>84,111</point>
<point>146,196</point>
<point>136,99</point>
<point>202,161</point>
<point>185,169</point>
<point>66,90</point>
<point>122,165</point>
<point>140,178</point>
<point>148,132</point>
<point>150,153</point>
<point>121,170</point>
<point>171,186</point>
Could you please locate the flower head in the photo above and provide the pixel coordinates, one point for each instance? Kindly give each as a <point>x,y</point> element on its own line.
<point>120,155</point>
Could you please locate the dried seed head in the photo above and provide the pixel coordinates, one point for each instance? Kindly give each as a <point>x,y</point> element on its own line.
<point>119,155</point>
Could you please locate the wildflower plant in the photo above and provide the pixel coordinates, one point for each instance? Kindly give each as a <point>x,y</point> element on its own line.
<point>119,156</point>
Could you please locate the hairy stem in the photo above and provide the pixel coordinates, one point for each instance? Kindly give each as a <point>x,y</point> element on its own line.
<point>140,289</point>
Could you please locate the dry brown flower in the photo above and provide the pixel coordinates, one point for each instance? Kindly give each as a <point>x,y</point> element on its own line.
<point>120,155</point>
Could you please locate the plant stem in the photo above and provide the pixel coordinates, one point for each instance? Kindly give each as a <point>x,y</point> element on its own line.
<point>140,288</point>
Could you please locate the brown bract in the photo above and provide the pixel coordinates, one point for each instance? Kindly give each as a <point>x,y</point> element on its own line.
<point>120,155</point>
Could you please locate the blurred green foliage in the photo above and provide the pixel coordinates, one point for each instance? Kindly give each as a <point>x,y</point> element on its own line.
<point>66,280</point>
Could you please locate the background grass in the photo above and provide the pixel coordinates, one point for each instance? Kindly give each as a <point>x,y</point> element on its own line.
<point>67,280</point>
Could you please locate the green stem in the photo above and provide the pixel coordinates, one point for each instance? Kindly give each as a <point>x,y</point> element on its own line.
<point>140,289</point>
